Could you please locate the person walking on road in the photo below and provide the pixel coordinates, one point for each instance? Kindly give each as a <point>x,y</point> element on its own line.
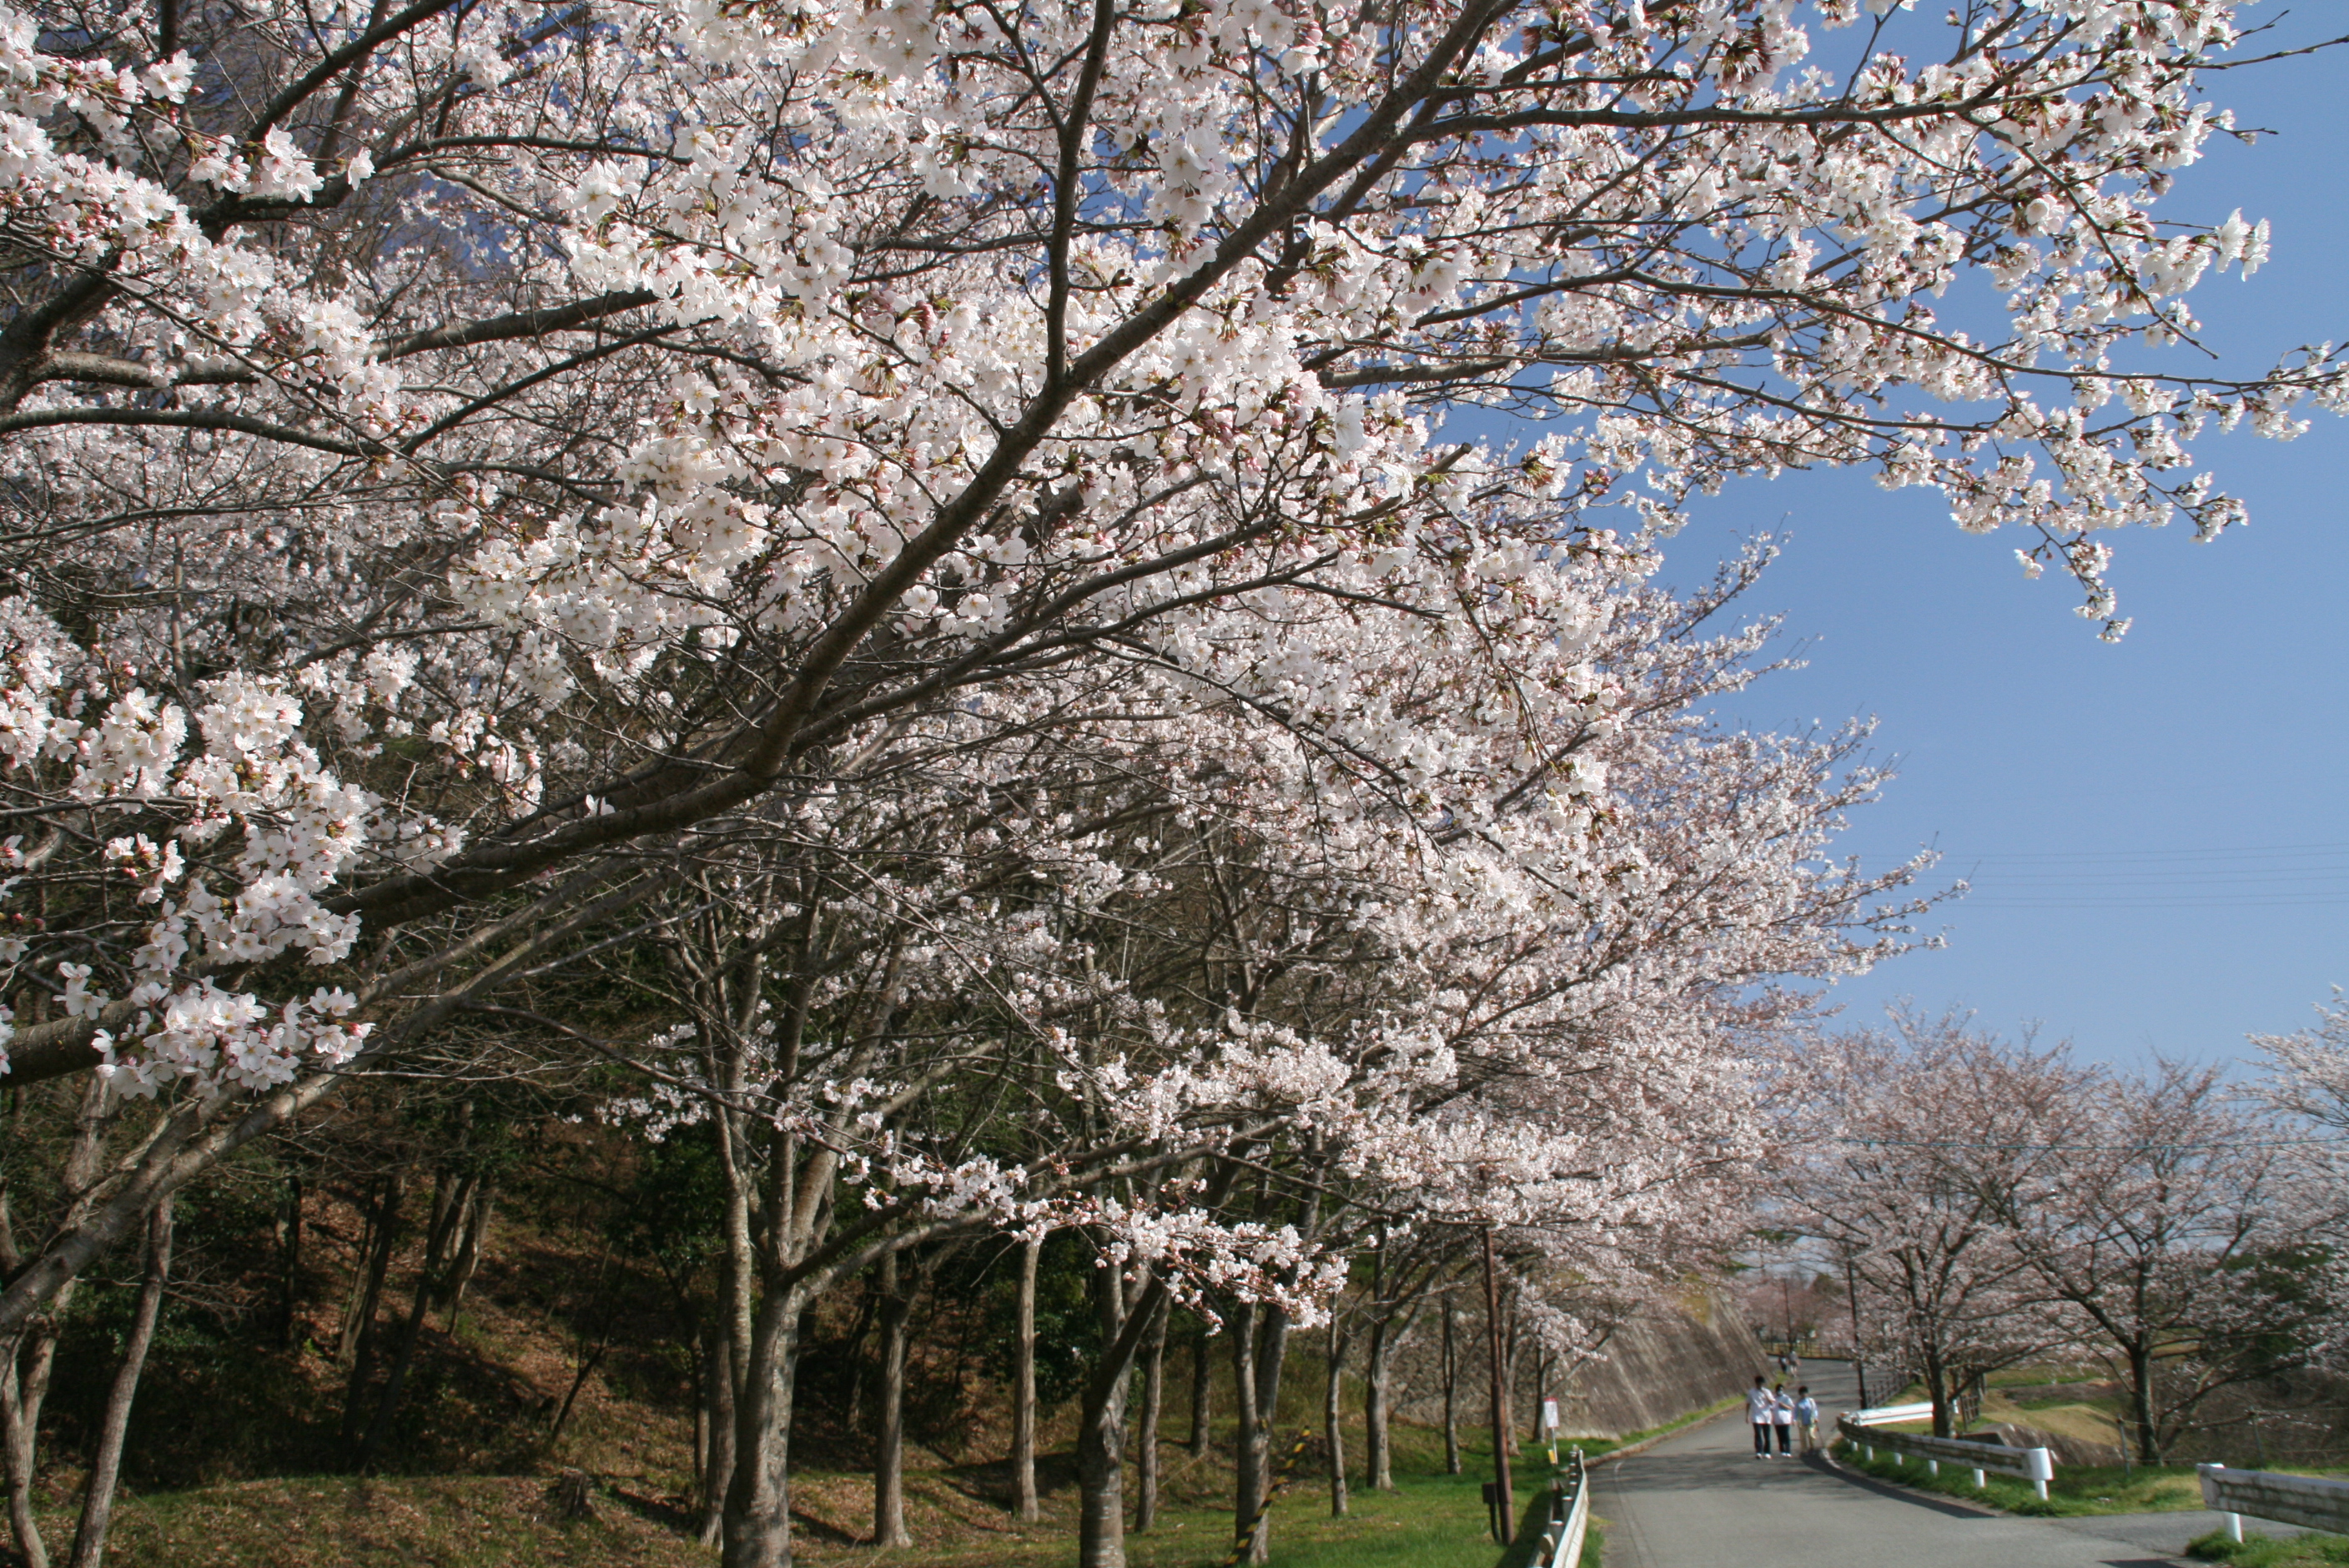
<point>1782,1416</point>
<point>1807,1417</point>
<point>1762,1413</point>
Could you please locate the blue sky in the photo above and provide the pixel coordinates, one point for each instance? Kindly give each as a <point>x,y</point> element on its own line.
<point>2158,831</point>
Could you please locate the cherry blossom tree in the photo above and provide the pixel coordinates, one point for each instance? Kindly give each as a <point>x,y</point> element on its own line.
<point>2175,1223</point>
<point>473,478</point>
<point>1897,1146</point>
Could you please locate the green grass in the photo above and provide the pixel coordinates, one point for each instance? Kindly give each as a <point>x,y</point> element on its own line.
<point>1428,1520</point>
<point>2077,1490</point>
<point>2257,1551</point>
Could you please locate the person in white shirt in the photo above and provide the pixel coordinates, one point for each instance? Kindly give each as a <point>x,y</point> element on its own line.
<point>1762,1413</point>
<point>1807,1415</point>
<point>1782,1416</point>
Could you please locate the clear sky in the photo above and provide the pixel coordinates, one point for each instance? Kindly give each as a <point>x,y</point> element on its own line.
<point>2157,831</point>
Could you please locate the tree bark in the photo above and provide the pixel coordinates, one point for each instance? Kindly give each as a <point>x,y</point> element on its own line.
<point>757,1532</point>
<point>1260,1343</point>
<point>24,1385</point>
<point>289,1260</point>
<point>1201,1391</point>
<point>473,1238</point>
<point>357,1349</point>
<point>114,1425</point>
<point>2148,1440</point>
<point>718,1418</point>
<point>1146,1438</point>
<point>889,1448</point>
<point>1101,1427</point>
<point>1023,1388</point>
<point>28,1357</point>
<point>1378,1462</point>
<point>427,1280</point>
<point>1333,1375</point>
<point>1451,1396</point>
<point>1505,1520</point>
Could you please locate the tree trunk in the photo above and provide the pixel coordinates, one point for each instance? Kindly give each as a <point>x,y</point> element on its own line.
<point>289,1260</point>
<point>1260,1343</point>
<point>1201,1390</point>
<point>27,1358</point>
<point>758,1521</point>
<point>717,1417</point>
<point>889,1449</point>
<point>472,1239</point>
<point>1145,1439</point>
<point>428,1280</point>
<point>1378,1461</point>
<point>1023,1388</point>
<point>114,1425</point>
<point>1504,1518</point>
<point>1101,1427</point>
<point>359,1335</point>
<point>2148,1440</point>
<point>1333,1414</point>
<point>1451,1397</point>
<point>1937,1390</point>
<point>1247,1454</point>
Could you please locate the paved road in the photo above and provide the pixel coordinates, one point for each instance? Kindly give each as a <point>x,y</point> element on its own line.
<point>1702,1501</point>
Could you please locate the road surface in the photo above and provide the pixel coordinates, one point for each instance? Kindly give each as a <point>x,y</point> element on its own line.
<point>1702,1501</point>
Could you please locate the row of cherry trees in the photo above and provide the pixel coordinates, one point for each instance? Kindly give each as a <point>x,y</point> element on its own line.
<point>1991,1202</point>
<point>904,576</point>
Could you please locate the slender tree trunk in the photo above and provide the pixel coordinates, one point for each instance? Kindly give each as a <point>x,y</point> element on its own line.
<point>428,1279</point>
<point>1023,1388</point>
<point>1451,1397</point>
<point>1203,1370</point>
<point>1145,1439</point>
<point>1333,1417</point>
<point>114,1425</point>
<point>2148,1440</point>
<point>1936,1387</point>
<point>359,1332</point>
<point>27,1358</point>
<point>1505,1518</point>
<point>1378,1462</point>
<point>289,1260</point>
<point>889,1449</point>
<point>1263,1332</point>
<point>472,1240</point>
<point>717,1415</point>
<point>1247,1454</point>
<point>24,1387</point>
<point>1101,1427</point>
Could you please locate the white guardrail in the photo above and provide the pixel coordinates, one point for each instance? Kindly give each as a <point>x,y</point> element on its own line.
<point>1921,1410</point>
<point>2033,1465</point>
<point>2285,1498</point>
<point>1569,1516</point>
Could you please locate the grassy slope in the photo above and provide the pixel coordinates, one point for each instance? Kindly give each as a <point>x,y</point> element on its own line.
<point>1431,1520</point>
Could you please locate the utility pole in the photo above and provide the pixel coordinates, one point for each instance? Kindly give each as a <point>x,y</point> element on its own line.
<point>1858,1365</point>
<point>1505,1517</point>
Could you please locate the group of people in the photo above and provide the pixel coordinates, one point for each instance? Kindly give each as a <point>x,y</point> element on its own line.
<point>1771,1408</point>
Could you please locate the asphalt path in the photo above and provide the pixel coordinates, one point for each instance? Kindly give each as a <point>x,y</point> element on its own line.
<point>1702,1501</point>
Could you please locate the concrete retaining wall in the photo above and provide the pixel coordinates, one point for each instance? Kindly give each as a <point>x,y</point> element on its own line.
<point>1664,1364</point>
